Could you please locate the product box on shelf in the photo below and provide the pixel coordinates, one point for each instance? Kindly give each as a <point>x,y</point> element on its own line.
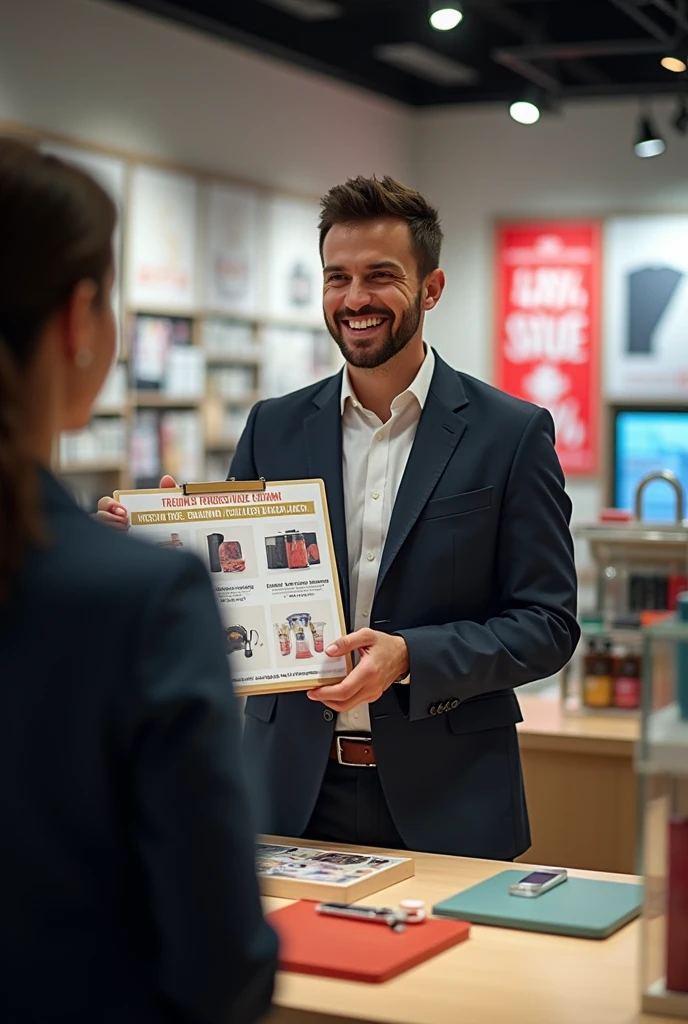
<point>663,764</point>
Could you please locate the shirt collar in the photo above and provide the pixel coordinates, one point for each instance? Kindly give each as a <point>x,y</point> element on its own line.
<point>419,387</point>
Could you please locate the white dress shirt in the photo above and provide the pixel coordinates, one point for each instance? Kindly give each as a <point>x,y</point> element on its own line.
<point>374,457</point>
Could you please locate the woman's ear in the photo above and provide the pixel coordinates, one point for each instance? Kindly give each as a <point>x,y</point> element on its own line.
<point>80,323</point>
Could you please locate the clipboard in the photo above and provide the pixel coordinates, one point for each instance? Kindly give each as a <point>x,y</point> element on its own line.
<point>273,569</point>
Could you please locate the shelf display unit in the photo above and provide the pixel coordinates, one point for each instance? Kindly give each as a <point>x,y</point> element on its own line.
<point>640,569</point>
<point>217,301</point>
<point>662,763</point>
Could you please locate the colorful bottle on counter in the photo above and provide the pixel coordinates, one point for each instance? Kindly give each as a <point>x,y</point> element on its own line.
<point>598,687</point>
<point>627,681</point>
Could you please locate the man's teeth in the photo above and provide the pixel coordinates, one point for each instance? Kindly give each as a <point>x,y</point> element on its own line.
<point>360,325</point>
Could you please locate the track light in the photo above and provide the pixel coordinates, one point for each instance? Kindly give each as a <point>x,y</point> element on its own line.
<point>648,142</point>
<point>445,16</point>
<point>680,119</point>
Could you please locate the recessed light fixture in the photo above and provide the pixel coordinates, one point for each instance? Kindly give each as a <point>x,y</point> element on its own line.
<point>445,16</point>
<point>525,111</point>
<point>676,59</point>
<point>648,141</point>
<point>673,62</point>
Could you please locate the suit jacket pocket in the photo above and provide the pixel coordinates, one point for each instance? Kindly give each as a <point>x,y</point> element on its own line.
<point>493,711</point>
<point>261,706</point>
<point>457,504</point>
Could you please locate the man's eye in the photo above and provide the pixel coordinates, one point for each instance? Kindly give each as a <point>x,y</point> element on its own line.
<point>381,273</point>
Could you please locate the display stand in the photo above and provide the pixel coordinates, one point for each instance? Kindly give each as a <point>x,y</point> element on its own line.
<point>630,558</point>
<point>663,764</point>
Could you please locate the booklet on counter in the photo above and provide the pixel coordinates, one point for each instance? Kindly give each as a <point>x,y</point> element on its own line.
<point>268,549</point>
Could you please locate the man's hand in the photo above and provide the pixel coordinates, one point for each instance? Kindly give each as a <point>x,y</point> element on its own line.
<point>383,660</point>
<point>115,516</point>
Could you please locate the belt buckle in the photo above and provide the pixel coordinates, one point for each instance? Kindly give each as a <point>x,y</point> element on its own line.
<point>351,739</point>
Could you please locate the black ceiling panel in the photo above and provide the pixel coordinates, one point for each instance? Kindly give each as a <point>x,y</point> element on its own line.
<point>571,48</point>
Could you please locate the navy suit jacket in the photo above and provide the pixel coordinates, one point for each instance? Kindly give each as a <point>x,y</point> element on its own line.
<point>127,885</point>
<point>477,575</point>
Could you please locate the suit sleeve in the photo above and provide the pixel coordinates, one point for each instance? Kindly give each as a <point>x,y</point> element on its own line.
<point>535,632</point>
<point>192,820</point>
<point>244,462</point>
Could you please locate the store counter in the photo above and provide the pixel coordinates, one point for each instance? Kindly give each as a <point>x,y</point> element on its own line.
<point>581,786</point>
<point>498,975</point>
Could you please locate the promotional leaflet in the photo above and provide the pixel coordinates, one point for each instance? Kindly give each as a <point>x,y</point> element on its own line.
<point>268,550</point>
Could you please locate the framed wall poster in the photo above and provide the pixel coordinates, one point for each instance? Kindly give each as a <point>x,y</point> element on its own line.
<point>231,249</point>
<point>294,270</point>
<point>547,335</point>
<point>646,307</point>
<point>268,549</point>
<point>162,240</point>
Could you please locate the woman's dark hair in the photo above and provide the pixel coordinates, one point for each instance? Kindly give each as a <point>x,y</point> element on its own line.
<point>56,227</point>
<point>361,199</point>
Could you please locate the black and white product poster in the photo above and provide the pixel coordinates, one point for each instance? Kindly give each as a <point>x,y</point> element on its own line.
<point>646,307</point>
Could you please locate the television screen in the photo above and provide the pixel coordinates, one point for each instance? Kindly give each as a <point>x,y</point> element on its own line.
<point>646,441</point>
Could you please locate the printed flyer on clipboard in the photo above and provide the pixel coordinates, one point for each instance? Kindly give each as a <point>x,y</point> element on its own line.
<point>268,549</point>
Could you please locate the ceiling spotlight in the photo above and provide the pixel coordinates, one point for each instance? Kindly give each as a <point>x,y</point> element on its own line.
<point>677,58</point>
<point>525,111</point>
<point>649,142</point>
<point>674,62</point>
<point>445,16</point>
<point>680,121</point>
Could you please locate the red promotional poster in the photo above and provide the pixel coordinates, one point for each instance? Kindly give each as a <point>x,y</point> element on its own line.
<point>548,328</point>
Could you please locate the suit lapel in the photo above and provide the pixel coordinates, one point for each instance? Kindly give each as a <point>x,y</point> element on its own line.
<point>439,431</point>
<point>324,452</point>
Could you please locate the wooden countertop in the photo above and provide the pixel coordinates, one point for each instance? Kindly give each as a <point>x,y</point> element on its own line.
<point>498,975</point>
<point>546,727</point>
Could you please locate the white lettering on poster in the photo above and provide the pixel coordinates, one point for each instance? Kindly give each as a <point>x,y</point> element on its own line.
<point>557,338</point>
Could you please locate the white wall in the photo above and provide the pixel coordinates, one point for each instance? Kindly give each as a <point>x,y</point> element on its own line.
<point>478,165</point>
<point>112,75</point>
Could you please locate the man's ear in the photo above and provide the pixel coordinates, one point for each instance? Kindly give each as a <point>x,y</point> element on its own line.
<point>433,288</point>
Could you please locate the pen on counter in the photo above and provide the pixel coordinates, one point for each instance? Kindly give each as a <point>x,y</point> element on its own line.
<point>394,919</point>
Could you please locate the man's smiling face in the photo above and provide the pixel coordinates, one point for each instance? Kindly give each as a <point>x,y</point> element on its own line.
<point>371,293</point>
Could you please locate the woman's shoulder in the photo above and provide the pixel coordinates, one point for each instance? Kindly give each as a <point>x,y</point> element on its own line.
<point>96,558</point>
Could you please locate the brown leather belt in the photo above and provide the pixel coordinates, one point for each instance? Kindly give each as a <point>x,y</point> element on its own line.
<point>353,751</point>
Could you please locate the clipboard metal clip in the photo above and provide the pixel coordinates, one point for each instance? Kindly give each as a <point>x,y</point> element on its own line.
<point>230,486</point>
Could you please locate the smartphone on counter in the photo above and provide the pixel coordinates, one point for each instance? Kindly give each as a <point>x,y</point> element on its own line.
<point>538,882</point>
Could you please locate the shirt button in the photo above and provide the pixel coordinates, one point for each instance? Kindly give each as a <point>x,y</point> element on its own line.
<point>355,714</point>
<point>365,612</point>
<point>379,437</point>
<point>355,405</point>
<point>371,556</point>
<point>376,494</point>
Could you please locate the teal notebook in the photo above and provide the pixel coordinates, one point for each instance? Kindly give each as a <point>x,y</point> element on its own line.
<point>582,907</point>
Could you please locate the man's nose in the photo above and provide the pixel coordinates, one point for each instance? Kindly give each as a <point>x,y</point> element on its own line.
<point>358,295</point>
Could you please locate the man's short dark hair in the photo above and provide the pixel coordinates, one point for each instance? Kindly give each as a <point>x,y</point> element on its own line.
<point>361,199</point>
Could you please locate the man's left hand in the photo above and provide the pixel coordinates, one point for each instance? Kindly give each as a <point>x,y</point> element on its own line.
<point>383,660</point>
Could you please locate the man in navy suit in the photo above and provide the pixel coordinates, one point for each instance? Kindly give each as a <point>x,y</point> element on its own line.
<point>451,531</point>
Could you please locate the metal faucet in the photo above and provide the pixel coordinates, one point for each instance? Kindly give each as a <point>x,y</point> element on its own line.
<point>672,480</point>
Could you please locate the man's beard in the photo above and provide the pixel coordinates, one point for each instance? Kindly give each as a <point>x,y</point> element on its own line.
<point>396,337</point>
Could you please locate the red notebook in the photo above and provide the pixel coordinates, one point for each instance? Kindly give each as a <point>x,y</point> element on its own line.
<point>334,947</point>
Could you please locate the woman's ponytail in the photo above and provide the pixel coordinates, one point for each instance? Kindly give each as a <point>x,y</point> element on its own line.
<point>19,520</point>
